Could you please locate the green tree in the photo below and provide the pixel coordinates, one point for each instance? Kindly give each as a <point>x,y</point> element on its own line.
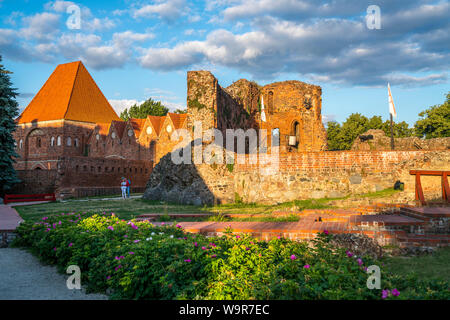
<point>333,131</point>
<point>435,121</point>
<point>8,112</point>
<point>353,126</point>
<point>149,107</point>
<point>401,129</point>
<point>180,111</point>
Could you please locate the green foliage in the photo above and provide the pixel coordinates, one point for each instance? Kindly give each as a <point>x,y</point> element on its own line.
<point>8,112</point>
<point>230,167</point>
<point>136,260</point>
<point>341,137</point>
<point>148,107</point>
<point>196,104</point>
<point>237,198</point>
<point>435,121</point>
<point>180,111</point>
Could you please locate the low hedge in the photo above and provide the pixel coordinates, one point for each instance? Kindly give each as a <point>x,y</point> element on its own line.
<point>137,260</point>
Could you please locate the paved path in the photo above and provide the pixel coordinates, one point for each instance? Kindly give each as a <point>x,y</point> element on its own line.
<point>23,277</point>
<point>9,218</point>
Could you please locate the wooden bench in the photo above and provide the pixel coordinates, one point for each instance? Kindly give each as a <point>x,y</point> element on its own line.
<point>29,197</point>
<point>444,183</point>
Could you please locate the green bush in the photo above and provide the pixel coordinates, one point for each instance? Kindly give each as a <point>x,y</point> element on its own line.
<point>137,260</point>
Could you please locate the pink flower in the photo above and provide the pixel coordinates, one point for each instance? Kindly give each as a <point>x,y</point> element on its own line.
<point>178,226</point>
<point>131,252</point>
<point>384,294</point>
<point>306,266</point>
<point>203,248</point>
<point>111,228</point>
<point>54,249</point>
<point>44,218</point>
<point>108,277</point>
<point>237,237</point>
<point>395,292</point>
<point>349,254</point>
<point>213,256</point>
<point>187,260</point>
<point>125,236</point>
<point>360,262</point>
<point>118,267</point>
<point>136,241</point>
<point>195,244</point>
<point>279,237</point>
<point>325,231</point>
<point>70,244</point>
<point>293,257</point>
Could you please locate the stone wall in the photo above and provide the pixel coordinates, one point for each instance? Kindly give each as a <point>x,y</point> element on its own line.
<point>291,107</point>
<point>302,175</point>
<point>381,141</point>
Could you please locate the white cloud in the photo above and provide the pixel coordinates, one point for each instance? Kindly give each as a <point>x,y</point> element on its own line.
<point>405,80</point>
<point>129,37</point>
<point>168,10</point>
<point>41,26</point>
<point>122,104</point>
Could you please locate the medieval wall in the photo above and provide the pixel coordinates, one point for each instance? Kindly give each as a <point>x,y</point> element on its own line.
<point>78,173</point>
<point>293,108</point>
<point>302,175</point>
<point>381,141</point>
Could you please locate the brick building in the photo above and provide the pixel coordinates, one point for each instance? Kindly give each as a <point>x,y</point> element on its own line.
<point>70,140</point>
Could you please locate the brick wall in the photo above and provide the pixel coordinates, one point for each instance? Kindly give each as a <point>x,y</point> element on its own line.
<point>302,175</point>
<point>35,181</point>
<point>336,174</point>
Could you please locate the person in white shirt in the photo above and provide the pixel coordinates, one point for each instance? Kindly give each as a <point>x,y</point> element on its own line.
<point>123,187</point>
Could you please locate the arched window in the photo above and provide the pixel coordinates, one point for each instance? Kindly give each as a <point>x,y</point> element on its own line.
<point>52,141</point>
<point>21,144</point>
<point>38,142</point>
<point>58,141</point>
<point>75,142</point>
<point>270,103</point>
<point>69,141</point>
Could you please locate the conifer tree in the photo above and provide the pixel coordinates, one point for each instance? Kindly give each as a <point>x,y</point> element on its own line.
<point>8,112</point>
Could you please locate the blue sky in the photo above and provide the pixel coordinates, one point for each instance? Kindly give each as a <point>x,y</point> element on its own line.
<point>141,49</point>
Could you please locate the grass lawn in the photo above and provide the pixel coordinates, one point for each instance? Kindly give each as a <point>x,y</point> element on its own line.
<point>432,266</point>
<point>130,208</point>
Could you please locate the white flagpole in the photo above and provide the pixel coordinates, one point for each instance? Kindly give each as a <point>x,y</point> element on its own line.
<point>392,114</point>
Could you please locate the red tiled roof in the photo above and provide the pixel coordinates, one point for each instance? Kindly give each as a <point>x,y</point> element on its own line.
<point>177,119</point>
<point>69,93</point>
<point>138,125</point>
<point>103,128</point>
<point>120,127</point>
<point>157,122</point>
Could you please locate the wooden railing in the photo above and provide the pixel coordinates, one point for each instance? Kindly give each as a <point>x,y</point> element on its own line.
<point>444,183</point>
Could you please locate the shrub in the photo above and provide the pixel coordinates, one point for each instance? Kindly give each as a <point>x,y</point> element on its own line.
<point>137,260</point>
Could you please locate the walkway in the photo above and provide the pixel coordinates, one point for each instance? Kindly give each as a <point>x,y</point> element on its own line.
<point>9,218</point>
<point>23,277</point>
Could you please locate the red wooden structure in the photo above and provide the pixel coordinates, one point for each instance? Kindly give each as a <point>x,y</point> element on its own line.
<point>444,182</point>
<point>29,197</point>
